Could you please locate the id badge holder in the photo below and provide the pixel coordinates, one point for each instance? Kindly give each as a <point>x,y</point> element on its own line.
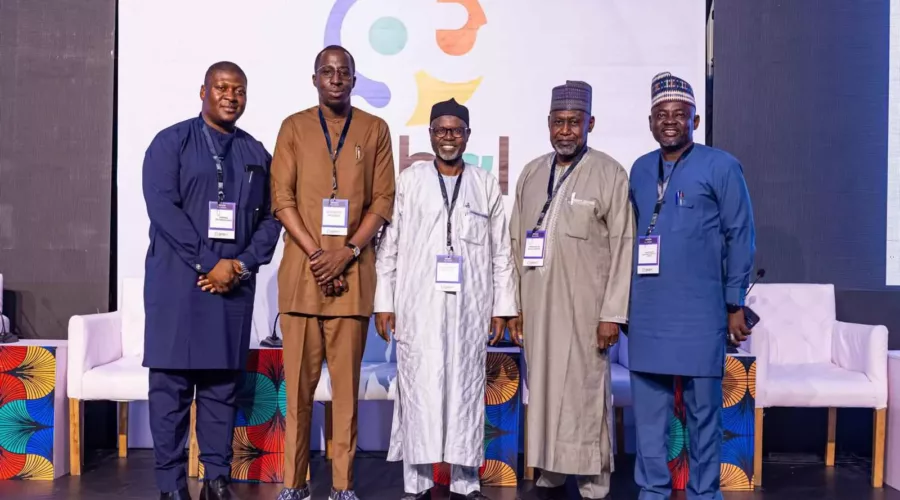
<point>334,217</point>
<point>534,249</point>
<point>448,273</point>
<point>648,255</point>
<point>222,220</point>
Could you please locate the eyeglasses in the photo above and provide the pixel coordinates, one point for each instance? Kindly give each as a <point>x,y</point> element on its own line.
<point>441,132</point>
<point>328,72</point>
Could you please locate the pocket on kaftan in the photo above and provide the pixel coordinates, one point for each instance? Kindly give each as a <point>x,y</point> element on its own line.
<point>577,219</point>
<point>475,227</point>
<point>685,217</point>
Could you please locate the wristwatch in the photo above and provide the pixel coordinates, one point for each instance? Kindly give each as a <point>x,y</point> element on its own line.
<point>245,273</point>
<point>355,250</point>
<point>732,308</point>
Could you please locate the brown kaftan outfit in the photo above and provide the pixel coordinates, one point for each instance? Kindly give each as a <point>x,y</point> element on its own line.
<point>316,327</point>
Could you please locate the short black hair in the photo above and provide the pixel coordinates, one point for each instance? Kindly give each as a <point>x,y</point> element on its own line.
<point>330,48</point>
<point>223,66</point>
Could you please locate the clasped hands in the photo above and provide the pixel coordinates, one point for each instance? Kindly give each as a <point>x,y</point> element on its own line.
<point>328,268</point>
<point>222,278</point>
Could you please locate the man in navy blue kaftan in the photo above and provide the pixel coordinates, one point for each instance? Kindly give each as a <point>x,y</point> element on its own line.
<point>696,244</point>
<point>206,185</point>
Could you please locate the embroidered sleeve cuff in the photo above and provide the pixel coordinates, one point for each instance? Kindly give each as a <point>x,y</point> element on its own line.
<point>622,320</point>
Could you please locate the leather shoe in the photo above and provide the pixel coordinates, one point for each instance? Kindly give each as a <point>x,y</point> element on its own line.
<point>217,489</point>
<point>182,494</point>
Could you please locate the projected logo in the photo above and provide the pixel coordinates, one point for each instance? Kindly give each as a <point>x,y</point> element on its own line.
<point>388,36</point>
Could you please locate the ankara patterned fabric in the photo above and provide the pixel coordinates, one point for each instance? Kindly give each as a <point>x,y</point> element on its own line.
<point>258,442</point>
<point>502,401</point>
<point>27,389</point>
<point>738,404</point>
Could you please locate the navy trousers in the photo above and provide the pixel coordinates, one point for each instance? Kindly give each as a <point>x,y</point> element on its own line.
<point>171,394</point>
<point>654,400</point>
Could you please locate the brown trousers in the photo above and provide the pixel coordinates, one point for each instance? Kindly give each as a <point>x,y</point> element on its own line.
<point>308,340</point>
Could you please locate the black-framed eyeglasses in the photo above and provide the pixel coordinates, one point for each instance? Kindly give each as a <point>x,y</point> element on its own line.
<point>441,132</point>
<point>327,72</point>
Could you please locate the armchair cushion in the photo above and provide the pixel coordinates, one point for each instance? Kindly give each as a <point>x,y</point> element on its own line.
<point>377,381</point>
<point>621,384</point>
<point>819,385</point>
<point>122,380</point>
<point>863,349</point>
<point>799,319</point>
<point>132,308</point>
<point>94,340</point>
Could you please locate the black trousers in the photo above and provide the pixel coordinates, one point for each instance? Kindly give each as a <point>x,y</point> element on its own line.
<point>171,394</point>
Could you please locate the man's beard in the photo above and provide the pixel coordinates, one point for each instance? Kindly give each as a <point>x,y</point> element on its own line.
<point>449,156</point>
<point>565,150</point>
<point>673,143</point>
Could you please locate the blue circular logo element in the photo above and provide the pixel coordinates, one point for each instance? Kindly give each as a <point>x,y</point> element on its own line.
<point>388,36</point>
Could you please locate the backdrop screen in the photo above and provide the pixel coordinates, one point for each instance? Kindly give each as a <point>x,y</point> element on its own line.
<point>500,58</point>
<point>893,205</point>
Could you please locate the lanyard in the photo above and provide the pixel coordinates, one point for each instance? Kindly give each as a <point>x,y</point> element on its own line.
<point>220,172</point>
<point>551,190</point>
<point>662,185</point>
<point>449,204</point>
<point>334,153</point>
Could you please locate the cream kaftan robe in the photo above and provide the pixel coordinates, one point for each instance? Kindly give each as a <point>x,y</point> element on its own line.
<point>585,279</point>
<point>441,337</point>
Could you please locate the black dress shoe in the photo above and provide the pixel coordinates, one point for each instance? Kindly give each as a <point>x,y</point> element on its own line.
<point>425,495</point>
<point>182,494</point>
<point>217,489</point>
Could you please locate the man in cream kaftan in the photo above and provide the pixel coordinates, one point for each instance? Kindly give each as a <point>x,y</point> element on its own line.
<point>441,336</point>
<point>575,300</point>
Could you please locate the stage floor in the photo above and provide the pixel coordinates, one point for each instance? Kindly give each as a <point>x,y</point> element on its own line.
<point>107,478</point>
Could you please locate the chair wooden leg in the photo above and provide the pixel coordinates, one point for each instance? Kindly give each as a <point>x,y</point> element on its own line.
<point>75,452</point>
<point>528,473</point>
<point>123,429</point>
<point>620,431</point>
<point>832,426</point>
<point>878,448</point>
<point>329,430</point>
<point>193,447</point>
<point>758,447</point>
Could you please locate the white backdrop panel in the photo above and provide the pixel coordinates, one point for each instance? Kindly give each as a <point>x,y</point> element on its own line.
<point>521,50</point>
<point>892,271</point>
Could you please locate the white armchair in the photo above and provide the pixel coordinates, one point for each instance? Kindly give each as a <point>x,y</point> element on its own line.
<point>620,376</point>
<point>105,355</point>
<point>4,321</point>
<point>806,358</point>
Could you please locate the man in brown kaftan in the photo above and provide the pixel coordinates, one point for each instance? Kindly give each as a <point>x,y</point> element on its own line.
<point>573,254</point>
<point>332,189</point>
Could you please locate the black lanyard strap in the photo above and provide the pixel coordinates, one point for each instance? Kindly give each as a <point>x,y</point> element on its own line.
<point>449,204</point>
<point>333,153</point>
<point>220,172</point>
<point>662,185</point>
<point>553,190</point>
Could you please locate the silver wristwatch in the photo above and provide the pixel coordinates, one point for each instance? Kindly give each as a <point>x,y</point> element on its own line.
<point>245,273</point>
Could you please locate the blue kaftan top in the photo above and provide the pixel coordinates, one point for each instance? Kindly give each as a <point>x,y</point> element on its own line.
<point>678,320</point>
<point>185,327</point>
